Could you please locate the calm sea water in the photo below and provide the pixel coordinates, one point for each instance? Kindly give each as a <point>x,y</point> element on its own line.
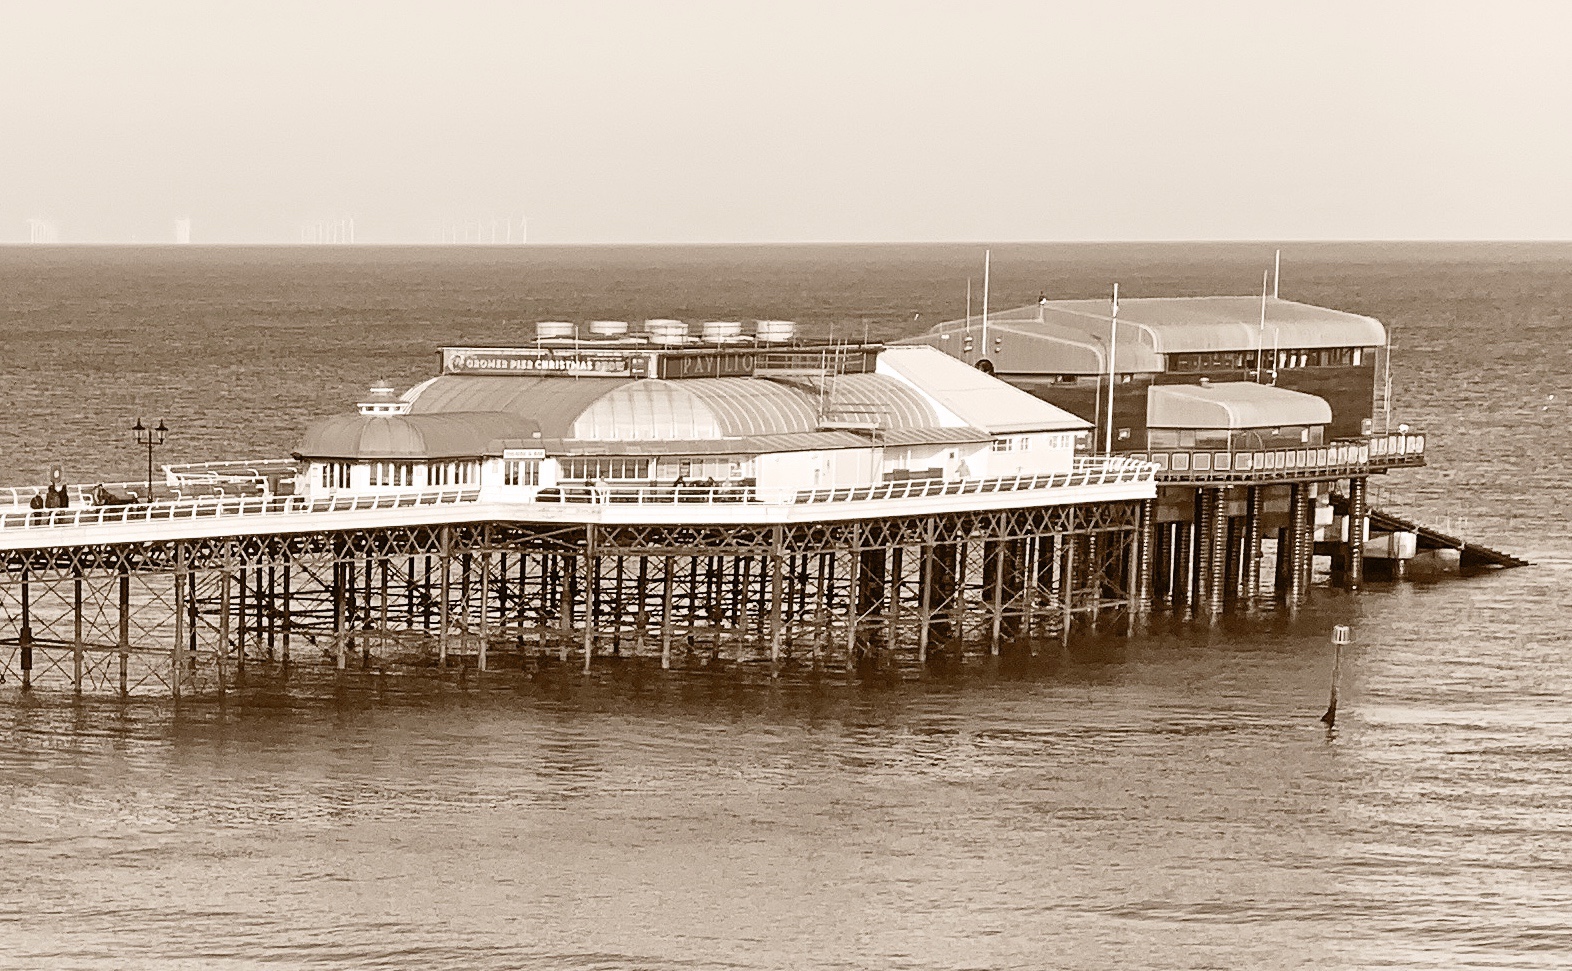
<point>1164,802</point>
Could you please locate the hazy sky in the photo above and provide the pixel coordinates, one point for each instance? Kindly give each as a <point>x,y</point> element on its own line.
<point>788,120</point>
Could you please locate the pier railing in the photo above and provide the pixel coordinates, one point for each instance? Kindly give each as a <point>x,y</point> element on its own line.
<point>1086,471</point>
<point>212,507</point>
<point>1338,459</point>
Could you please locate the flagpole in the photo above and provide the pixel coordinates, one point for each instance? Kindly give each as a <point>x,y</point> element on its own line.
<point>1113,338</point>
<point>1260,335</point>
<point>987,255</point>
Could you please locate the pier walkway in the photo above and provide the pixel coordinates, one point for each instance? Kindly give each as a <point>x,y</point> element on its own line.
<point>1091,480</point>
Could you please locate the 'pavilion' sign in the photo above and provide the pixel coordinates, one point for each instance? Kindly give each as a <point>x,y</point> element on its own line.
<point>524,360</point>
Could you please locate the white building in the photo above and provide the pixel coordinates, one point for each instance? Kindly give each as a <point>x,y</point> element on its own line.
<point>588,419</point>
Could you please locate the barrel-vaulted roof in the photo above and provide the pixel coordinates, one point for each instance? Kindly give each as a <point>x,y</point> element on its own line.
<point>694,408</point>
<point>361,437</point>
<point>1232,404</point>
<point>553,401</point>
<point>579,412</point>
<point>1177,325</point>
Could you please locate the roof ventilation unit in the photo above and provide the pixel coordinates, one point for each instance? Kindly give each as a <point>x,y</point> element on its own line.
<point>608,328</point>
<point>666,331</point>
<point>775,331</point>
<point>721,331</point>
<point>548,329</point>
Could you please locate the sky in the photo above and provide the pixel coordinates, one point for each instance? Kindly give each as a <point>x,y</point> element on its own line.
<point>603,121</point>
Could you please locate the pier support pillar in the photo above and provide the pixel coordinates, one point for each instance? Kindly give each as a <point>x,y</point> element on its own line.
<point>666,608</point>
<point>341,584</point>
<point>1067,585</point>
<point>1184,567</point>
<point>1146,556</point>
<point>76,640</point>
<point>444,593</point>
<point>1217,550</point>
<point>1202,567</point>
<point>940,588</point>
<point>123,634</point>
<point>1251,587</point>
<point>485,598</point>
<point>1295,539</point>
<point>25,637</point>
<point>993,582</point>
<point>1354,561</point>
<point>591,585</point>
<point>177,655</point>
<point>777,596</point>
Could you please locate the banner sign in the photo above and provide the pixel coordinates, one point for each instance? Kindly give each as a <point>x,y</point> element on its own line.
<point>745,362</point>
<point>525,360</point>
<point>523,453</point>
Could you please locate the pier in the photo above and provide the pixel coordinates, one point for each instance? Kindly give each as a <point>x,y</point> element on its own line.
<point>180,597</point>
<point>726,502</point>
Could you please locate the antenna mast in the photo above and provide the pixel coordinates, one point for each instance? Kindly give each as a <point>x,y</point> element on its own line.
<point>1113,337</point>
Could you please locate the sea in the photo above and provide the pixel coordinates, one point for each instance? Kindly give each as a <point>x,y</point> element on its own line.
<point>1168,800</point>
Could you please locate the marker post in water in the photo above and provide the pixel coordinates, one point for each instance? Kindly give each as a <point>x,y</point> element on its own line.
<point>1340,637</point>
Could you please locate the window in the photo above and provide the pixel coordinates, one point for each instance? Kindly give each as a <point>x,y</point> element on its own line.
<point>335,475</point>
<point>521,472</point>
<point>1024,443</point>
<point>1124,434</point>
<point>1003,445</point>
<point>392,474</point>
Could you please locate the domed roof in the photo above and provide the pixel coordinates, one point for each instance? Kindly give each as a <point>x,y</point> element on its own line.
<point>361,437</point>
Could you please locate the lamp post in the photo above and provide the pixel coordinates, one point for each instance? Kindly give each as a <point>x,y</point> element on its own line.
<point>149,437</point>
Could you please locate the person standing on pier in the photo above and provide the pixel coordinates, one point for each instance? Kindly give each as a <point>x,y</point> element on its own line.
<point>57,497</point>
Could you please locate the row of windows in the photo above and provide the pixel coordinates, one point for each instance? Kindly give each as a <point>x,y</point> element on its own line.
<point>526,472</point>
<point>453,473</point>
<point>1246,360</point>
<point>1259,438</point>
<point>392,473</point>
<point>1020,444</point>
<point>335,475</point>
<point>605,467</point>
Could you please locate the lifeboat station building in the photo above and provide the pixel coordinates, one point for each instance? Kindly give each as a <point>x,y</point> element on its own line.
<point>1260,414</point>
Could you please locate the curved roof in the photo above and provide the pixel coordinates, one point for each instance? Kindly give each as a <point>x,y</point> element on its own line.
<point>653,409</point>
<point>694,408</point>
<point>1071,336</point>
<point>883,398</point>
<point>1177,325</point>
<point>550,400</point>
<point>360,437</point>
<point>1232,404</point>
